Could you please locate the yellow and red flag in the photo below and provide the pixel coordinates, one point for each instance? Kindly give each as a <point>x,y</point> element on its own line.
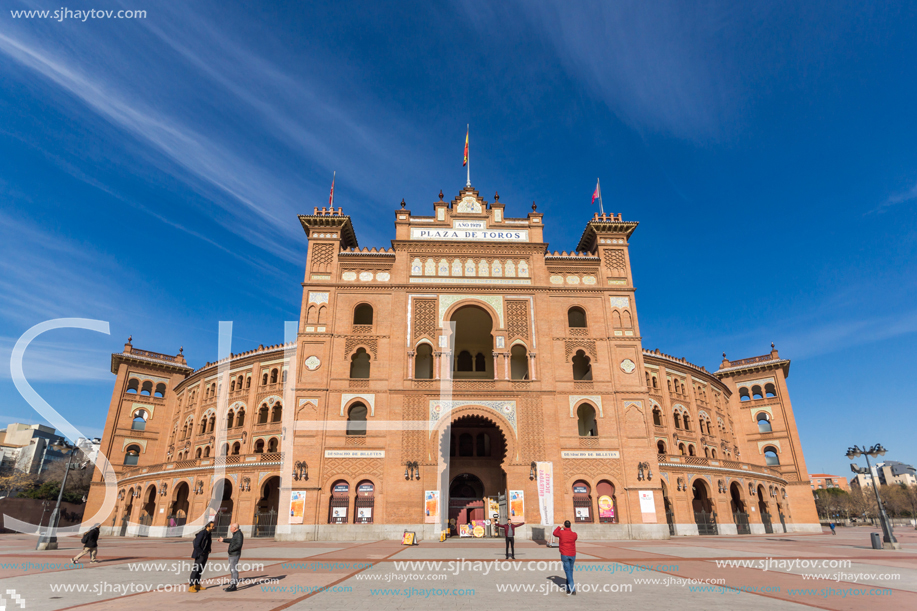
<point>464,163</point>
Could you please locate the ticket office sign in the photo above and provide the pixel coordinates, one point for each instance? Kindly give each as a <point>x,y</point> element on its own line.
<point>592,454</point>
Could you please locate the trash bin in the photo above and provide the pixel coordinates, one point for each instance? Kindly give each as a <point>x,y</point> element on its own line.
<point>876,540</point>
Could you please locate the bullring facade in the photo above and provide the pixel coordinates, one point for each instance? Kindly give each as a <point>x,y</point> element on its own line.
<point>430,381</point>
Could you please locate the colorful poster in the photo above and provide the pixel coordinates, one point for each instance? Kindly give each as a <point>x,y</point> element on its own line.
<point>297,506</point>
<point>606,507</point>
<point>407,539</point>
<point>546,491</point>
<point>516,505</point>
<point>493,507</point>
<point>478,531</point>
<point>648,506</point>
<point>431,506</point>
<point>465,530</point>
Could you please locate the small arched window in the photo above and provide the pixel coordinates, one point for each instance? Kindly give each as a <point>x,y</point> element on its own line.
<point>764,424</point>
<point>272,444</point>
<point>198,453</point>
<point>359,364</point>
<point>479,363</point>
<point>690,449</point>
<point>203,426</point>
<point>466,445</point>
<point>264,379</point>
<point>240,418</point>
<point>770,456</point>
<point>660,447</point>
<point>230,417</point>
<point>743,394</point>
<point>356,419</point>
<point>464,362</point>
<point>657,416</point>
<point>259,446</point>
<point>576,317</point>
<point>586,422</point>
<point>225,450</point>
<point>582,367</point>
<point>262,413</point>
<point>423,362</point>
<point>363,314</point>
<point>147,388</point>
<point>139,422</point>
<point>132,455</point>
<point>713,453</point>
<point>133,385</point>
<point>687,422</point>
<point>681,449</point>
<point>274,376</point>
<point>277,412</point>
<point>677,418</point>
<point>519,363</point>
<point>770,390</point>
<point>236,447</point>
<point>483,443</point>
<point>756,392</point>
<point>206,451</point>
<point>211,424</point>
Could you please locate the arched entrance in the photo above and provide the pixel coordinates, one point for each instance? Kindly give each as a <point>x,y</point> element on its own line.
<point>221,503</point>
<point>765,511</point>
<point>265,523</point>
<point>178,510</point>
<point>478,449</point>
<point>669,513</point>
<point>739,513</point>
<point>703,508</point>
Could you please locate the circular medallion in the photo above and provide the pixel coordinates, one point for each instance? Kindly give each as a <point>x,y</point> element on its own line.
<point>628,366</point>
<point>312,363</point>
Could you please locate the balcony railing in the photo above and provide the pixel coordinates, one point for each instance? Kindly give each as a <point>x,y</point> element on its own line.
<point>703,461</point>
<point>752,360</point>
<point>206,463</point>
<point>154,355</point>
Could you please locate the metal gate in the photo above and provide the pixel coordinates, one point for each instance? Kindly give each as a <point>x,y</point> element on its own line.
<point>783,522</point>
<point>366,515</point>
<point>221,524</point>
<point>265,524</point>
<point>124,522</point>
<point>706,523</point>
<point>768,526</point>
<point>338,502</point>
<point>670,519</point>
<point>175,524</point>
<point>741,520</point>
<point>145,522</point>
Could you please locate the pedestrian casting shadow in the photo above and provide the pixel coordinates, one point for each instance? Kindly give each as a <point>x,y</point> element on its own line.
<point>251,582</point>
<point>560,582</point>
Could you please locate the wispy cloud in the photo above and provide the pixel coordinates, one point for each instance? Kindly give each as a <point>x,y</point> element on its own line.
<point>898,198</point>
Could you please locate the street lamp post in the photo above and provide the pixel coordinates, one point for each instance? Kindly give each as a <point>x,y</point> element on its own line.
<point>49,539</point>
<point>888,537</point>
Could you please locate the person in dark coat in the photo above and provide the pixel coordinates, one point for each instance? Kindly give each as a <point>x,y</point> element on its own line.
<point>235,553</point>
<point>90,543</point>
<point>567,546</point>
<point>509,530</point>
<point>202,543</point>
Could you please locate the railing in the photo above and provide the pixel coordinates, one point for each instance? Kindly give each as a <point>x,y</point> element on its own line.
<point>752,360</point>
<point>234,459</point>
<point>362,329</point>
<point>716,462</point>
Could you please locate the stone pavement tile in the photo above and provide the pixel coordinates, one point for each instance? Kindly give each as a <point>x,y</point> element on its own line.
<point>859,573</point>
<point>694,551</point>
<point>444,551</point>
<point>291,552</point>
<point>481,591</point>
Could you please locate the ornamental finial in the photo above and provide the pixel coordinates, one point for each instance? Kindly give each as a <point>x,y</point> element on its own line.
<point>402,203</point>
<point>534,207</point>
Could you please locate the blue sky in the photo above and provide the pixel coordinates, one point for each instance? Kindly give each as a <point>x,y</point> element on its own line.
<point>152,171</point>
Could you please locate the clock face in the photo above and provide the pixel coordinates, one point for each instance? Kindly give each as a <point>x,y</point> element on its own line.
<point>468,204</point>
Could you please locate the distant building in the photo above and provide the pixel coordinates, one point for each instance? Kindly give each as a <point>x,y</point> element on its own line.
<point>888,473</point>
<point>31,448</point>
<point>823,481</point>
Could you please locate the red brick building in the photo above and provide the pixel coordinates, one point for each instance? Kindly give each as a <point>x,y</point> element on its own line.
<point>451,363</point>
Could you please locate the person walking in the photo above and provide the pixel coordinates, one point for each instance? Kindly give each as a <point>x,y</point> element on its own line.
<point>509,531</point>
<point>202,543</point>
<point>833,526</point>
<point>90,543</point>
<point>567,539</point>
<point>235,552</point>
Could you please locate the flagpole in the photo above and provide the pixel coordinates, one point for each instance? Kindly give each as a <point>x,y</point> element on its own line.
<point>468,165</point>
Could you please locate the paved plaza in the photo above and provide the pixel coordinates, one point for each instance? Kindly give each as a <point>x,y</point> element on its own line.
<point>748,572</point>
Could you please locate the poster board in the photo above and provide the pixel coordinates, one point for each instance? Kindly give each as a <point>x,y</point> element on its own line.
<point>546,491</point>
<point>606,507</point>
<point>431,507</point>
<point>648,506</point>
<point>516,505</point>
<point>465,530</point>
<point>297,506</point>
<point>407,538</point>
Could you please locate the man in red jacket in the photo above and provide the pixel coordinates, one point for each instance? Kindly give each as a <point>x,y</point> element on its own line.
<point>509,530</point>
<point>567,546</point>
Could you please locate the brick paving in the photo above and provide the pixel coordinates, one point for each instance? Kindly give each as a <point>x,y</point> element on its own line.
<point>363,575</point>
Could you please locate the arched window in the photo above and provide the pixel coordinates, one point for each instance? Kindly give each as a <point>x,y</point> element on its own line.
<point>700,425</point>
<point>232,386</point>
<point>582,501</point>
<point>211,424</point>
<point>423,362</point>
<point>628,321</point>
<point>519,363</point>
<point>240,417</point>
<point>206,451</point>
<point>616,319</point>
<point>660,446</point>
<point>356,419</point>
<point>743,394</point>
<point>681,449</point>
<point>277,412</point>
<point>687,422</point>
<point>713,453</point>
<point>259,446</point>
<point>274,373</point>
<point>359,364</point>
<point>133,385</point>
<point>466,445</point>
<point>690,449</point>
<point>363,314</point>
<point>147,388</point>
<point>160,390</point>
<point>655,382</point>
<point>132,455</point>
<point>657,416</point>
<point>677,418</point>
<point>756,392</point>
<point>608,503</point>
<point>483,443</point>
<point>764,424</point>
<point>225,450</point>
<point>262,413</point>
<point>586,422</point>
<point>272,444</point>
<point>582,367</point>
<point>770,390</point>
<point>464,362</point>
<point>139,422</point>
<point>706,452</point>
<point>479,363</point>
<point>199,453</point>
<point>248,382</point>
<point>576,317</point>
<point>184,431</point>
<point>264,379</point>
<point>203,426</point>
<point>770,456</point>
<point>236,447</point>
<point>230,417</point>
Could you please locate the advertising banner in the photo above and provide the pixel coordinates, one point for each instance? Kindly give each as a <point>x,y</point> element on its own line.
<point>297,506</point>
<point>648,506</point>
<point>606,507</point>
<point>516,505</point>
<point>431,506</point>
<point>546,491</point>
